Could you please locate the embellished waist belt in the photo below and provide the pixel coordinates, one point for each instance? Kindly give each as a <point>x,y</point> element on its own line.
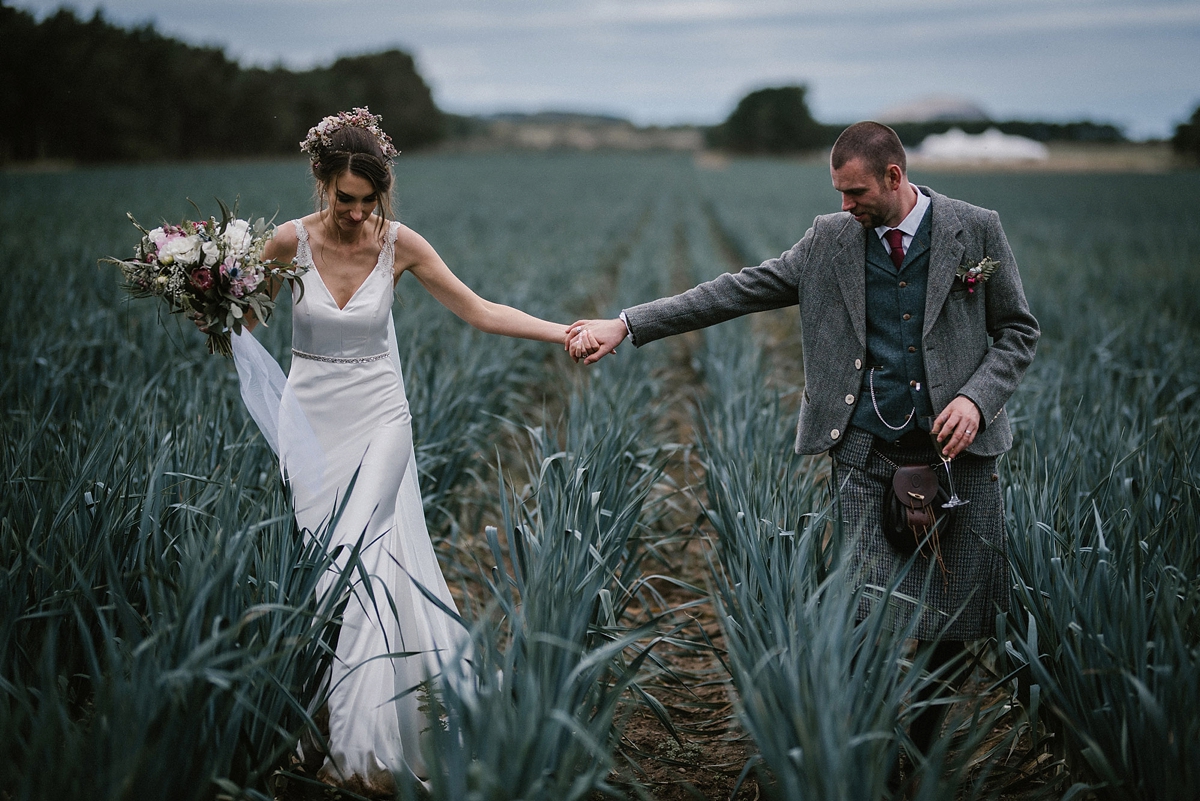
<point>316,357</point>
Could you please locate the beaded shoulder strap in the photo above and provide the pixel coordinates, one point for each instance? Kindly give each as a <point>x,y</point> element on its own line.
<point>387,255</point>
<point>303,250</point>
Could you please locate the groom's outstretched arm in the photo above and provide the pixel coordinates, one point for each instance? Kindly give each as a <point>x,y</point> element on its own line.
<point>771,285</point>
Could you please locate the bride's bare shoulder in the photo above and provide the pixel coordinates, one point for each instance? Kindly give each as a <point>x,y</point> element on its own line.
<point>283,243</point>
<point>411,247</point>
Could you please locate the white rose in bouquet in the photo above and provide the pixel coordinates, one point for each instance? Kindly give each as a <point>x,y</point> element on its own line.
<point>157,237</point>
<point>211,253</point>
<point>181,248</point>
<point>237,236</point>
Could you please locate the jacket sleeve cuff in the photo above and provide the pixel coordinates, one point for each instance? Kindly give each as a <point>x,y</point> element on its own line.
<point>984,417</point>
<point>628,330</point>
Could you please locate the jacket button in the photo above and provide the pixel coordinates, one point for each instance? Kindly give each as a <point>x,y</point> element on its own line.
<point>858,364</point>
<point>849,400</point>
<point>834,434</point>
<point>907,317</point>
<point>995,477</point>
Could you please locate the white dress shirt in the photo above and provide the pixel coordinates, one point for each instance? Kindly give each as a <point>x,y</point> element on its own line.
<point>909,225</point>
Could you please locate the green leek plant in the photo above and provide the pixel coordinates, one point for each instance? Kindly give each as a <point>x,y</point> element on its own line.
<point>155,646</point>
<point>530,710</point>
<point>1106,624</point>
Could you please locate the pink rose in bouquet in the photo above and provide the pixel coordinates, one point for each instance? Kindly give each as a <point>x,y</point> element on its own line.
<point>202,279</point>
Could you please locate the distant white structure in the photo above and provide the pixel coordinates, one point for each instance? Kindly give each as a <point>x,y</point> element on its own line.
<point>991,145</point>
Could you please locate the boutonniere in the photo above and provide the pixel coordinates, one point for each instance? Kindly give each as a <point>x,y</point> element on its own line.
<point>978,273</point>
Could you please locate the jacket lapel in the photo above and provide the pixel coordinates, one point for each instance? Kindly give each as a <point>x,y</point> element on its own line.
<point>850,266</point>
<point>918,246</point>
<point>945,255</point>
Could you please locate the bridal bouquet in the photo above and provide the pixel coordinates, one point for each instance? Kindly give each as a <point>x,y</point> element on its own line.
<point>213,271</point>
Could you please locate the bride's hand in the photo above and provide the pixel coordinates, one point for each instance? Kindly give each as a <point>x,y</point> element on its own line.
<point>583,344</point>
<point>249,321</point>
<point>198,320</point>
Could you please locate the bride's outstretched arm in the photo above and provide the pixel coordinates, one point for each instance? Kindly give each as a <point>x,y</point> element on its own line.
<point>416,255</point>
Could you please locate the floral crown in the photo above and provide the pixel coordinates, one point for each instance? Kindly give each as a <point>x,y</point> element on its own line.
<point>320,136</point>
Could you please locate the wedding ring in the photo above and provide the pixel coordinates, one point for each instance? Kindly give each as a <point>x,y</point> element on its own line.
<point>968,431</point>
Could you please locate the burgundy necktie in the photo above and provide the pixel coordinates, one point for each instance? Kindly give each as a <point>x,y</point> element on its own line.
<point>895,239</point>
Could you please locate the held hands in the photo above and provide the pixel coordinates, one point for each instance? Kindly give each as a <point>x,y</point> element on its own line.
<point>957,426</point>
<point>592,340</point>
<point>579,342</point>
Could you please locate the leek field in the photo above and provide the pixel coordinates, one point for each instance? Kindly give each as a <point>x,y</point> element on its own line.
<point>654,582</point>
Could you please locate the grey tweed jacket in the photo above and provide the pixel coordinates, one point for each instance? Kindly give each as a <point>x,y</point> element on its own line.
<point>976,344</point>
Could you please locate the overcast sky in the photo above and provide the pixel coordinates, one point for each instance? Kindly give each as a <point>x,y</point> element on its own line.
<point>1135,63</point>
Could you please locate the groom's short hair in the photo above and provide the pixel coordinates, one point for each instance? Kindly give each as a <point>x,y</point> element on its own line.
<point>876,144</point>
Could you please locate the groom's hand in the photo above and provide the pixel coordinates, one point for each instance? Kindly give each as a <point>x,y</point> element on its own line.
<point>958,425</point>
<point>607,334</point>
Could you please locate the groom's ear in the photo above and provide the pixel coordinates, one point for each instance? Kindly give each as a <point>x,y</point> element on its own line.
<point>893,177</point>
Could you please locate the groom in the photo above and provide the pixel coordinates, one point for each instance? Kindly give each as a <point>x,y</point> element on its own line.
<point>895,328</point>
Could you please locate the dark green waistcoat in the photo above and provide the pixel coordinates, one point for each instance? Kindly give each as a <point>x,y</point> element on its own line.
<point>895,320</point>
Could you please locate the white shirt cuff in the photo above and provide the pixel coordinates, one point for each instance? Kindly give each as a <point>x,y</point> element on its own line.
<point>628,333</point>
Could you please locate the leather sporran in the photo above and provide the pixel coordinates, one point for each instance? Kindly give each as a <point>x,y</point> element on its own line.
<point>912,511</point>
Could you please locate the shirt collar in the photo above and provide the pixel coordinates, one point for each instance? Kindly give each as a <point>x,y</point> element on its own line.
<point>912,222</point>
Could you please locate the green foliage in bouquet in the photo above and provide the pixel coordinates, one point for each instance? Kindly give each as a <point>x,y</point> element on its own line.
<point>213,271</point>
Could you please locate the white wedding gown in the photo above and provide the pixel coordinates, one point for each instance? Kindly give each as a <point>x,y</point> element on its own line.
<point>343,412</point>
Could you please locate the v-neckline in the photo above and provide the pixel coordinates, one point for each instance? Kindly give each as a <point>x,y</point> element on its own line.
<point>313,262</point>
<point>353,294</point>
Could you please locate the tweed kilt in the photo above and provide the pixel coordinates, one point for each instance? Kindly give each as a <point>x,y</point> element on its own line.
<point>960,604</point>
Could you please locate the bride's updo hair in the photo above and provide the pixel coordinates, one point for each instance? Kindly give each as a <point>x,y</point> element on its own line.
<point>358,151</point>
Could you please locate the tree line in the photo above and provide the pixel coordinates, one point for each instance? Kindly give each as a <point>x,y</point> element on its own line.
<point>778,120</point>
<point>1186,141</point>
<point>88,90</point>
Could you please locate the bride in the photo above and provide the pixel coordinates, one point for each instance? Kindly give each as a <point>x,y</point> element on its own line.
<point>352,449</point>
